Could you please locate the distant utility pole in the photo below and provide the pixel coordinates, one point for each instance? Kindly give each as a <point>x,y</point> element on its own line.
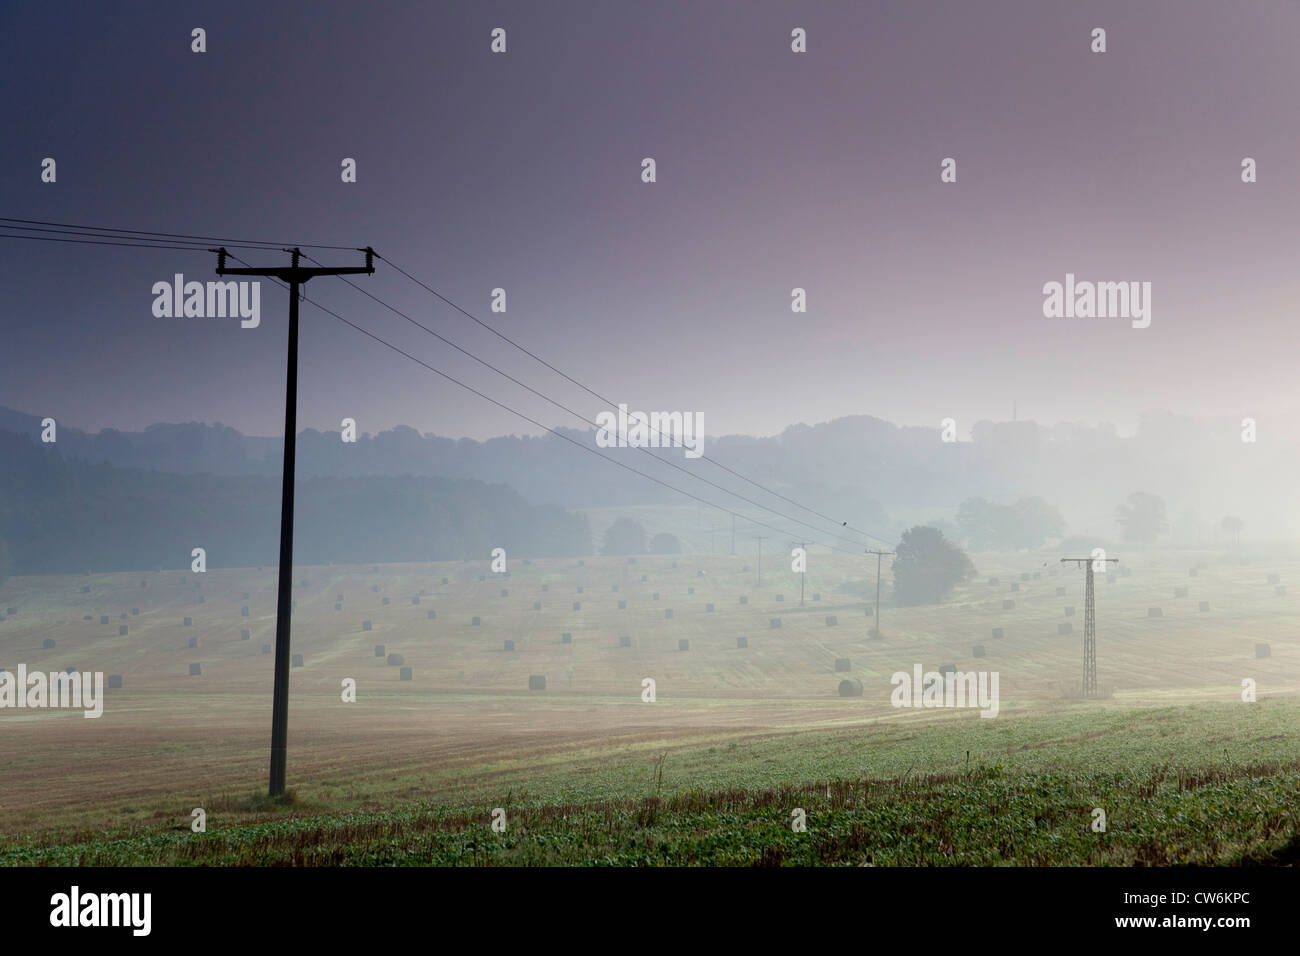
<point>879,555</point>
<point>1089,626</point>
<point>294,276</point>
<point>760,558</point>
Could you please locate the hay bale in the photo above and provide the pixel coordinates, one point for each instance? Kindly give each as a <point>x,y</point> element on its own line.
<point>338,607</point>
<point>510,645</point>
<point>1261,651</point>
<point>86,590</point>
<point>365,625</point>
<point>194,641</point>
<point>114,681</point>
<point>244,634</point>
<point>622,605</point>
<point>850,687</point>
<point>645,578</point>
<point>1191,573</point>
<point>415,599</point>
<point>690,590</point>
<point>993,582</point>
<point>816,596</point>
<point>404,673</point>
<point>387,601</point>
<point>780,597</point>
<point>135,612</point>
<point>1273,579</point>
<point>998,633</point>
<point>189,622</point>
<point>296,661</point>
<point>775,622</point>
<point>1065,627</point>
<point>1069,612</point>
<point>1008,604</point>
<point>566,638</point>
<point>1024,575</point>
<point>1060,592</point>
<point>668,613</point>
<point>505,592</point>
<point>395,660</point>
<point>977,650</point>
<point>1155,612</point>
<point>655,596</point>
<point>476,622</point>
<point>946,669</point>
<point>625,641</point>
<point>708,608</point>
<point>266,648</point>
<point>88,617</point>
<point>1180,592</point>
<point>842,664</point>
<point>243,611</point>
<point>1203,606</point>
<point>432,615</point>
<point>683,645</point>
<point>577,605</point>
<point>742,642</point>
<point>380,650</point>
<point>537,605</point>
<point>445,581</point>
<point>744,599</point>
<point>11,611</point>
<point>831,620</point>
<point>47,643</point>
<point>1280,590</point>
<point>196,670</point>
<point>613,587</point>
<point>1037,575</point>
<point>337,597</point>
<point>482,577</point>
<point>1015,586</point>
<point>121,630</point>
<point>546,587</point>
<point>537,682</point>
<point>579,588</point>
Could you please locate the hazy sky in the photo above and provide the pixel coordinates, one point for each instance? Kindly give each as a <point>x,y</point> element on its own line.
<point>775,170</point>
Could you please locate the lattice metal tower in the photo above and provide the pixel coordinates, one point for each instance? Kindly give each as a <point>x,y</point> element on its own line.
<point>1090,623</point>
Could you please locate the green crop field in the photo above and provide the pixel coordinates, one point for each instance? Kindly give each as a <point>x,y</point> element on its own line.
<point>736,740</point>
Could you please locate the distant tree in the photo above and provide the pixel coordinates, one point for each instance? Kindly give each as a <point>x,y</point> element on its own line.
<point>1232,525</point>
<point>665,543</point>
<point>1032,523</point>
<point>927,566</point>
<point>1142,516</point>
<point>1028,523</point>
<point>979,522</point>
<point>624,536</point>
<point>5,562</point>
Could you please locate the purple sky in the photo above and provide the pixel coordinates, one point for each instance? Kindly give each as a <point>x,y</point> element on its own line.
<point>775,170</point>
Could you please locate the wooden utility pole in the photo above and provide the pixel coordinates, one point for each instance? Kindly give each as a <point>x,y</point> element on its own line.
<point>760,558</point>
<point>294,276</point>
<point>879,555</point>
<point>1090,624</point>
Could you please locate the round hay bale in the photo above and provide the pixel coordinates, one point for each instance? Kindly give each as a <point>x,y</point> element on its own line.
<point>1015,585</point>
<point>380,650</point>
<point>978,650</point>
<point>1065,627</point>
<point>194,641</point>
<point>742,642</point>
<point>387,601</point>
<point>546,587</point>
<point>998,633</point>
<point>121,630</point>
<point>415,599</point>
<point>1261,651</point>
<point>645,578</point>
<point>243,611</point>
<point>244,634</point>
<point>1069,612</point>
<point>690,590</point>
<point>831,620</point>
<point>266,648</point>
<point>1203,606</point>
<point>842,664</point>
<point>196,670</point>
<point>47,643</point>
<point>114,681</point>
<point>775,623</point>
<point>622,605</point>
<point>135,612</point>
<point>445,581</point>
<point>395,660</point>
<point>708,608</point>
<point>297,660</point>
<point>579,588</point>
<point>668,613</point>
<point>1155,612</point>
<point>744,599</point>
<point>510,645</point>
<point>338,607</point>
<point>850,687</point>
<point>780,597</point>
<point>404,673</point>
<point>537,605</point>
<point>655,596</point>
<point>365,625</point>
<point>189,622</point>
<point>947,669</point>
<point>537,682</point>
<point>476,622</point>
<point>1008,604</point>
<point>816,596</point>
<point>683,645</point>
<point>625,641</point>
<point>566,638</point>
<point>577,605</point>
<point>88,617</point>
<point>432,615</point>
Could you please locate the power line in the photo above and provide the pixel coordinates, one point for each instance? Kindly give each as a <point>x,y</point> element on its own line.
<point>176,235</point>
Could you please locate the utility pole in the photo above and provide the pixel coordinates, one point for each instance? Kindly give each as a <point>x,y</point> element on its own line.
<point>804,548</point>
<point>760,558</point>
<point>733,534</point>
<point>294,276</point>
<point>879,555</point>
<point>1090,624</point>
